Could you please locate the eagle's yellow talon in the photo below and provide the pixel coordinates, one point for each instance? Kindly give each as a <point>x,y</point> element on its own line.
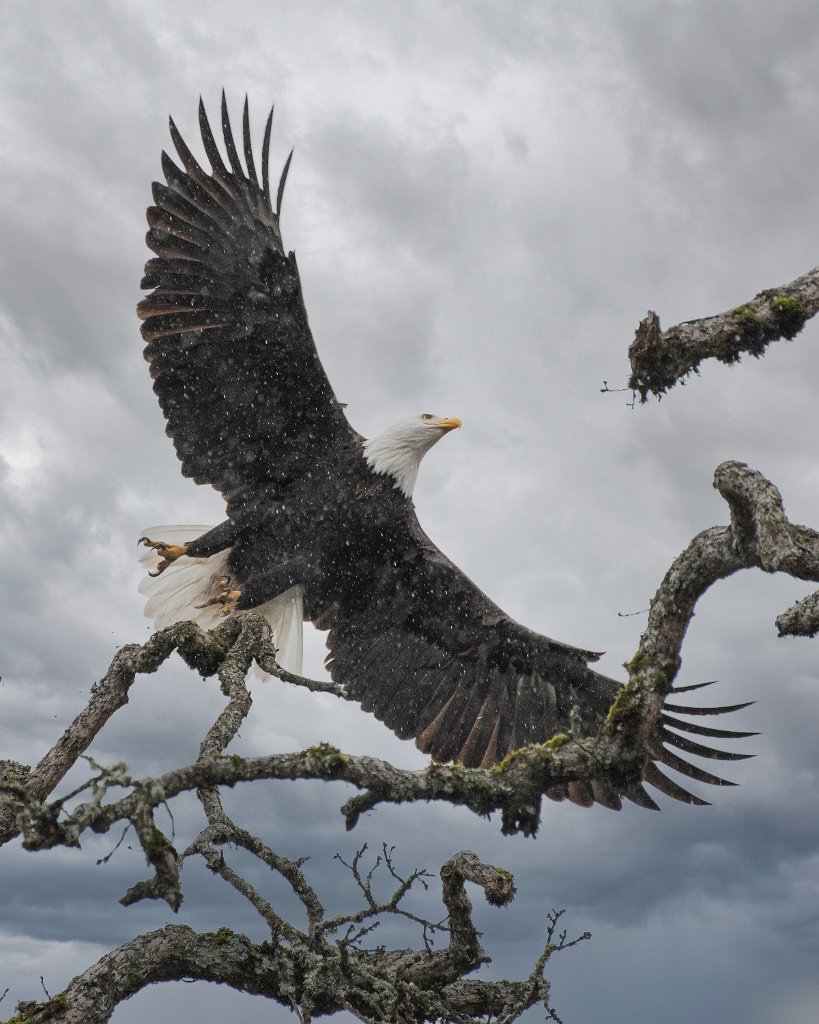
<point>226,596</point>
<point>169,552</point>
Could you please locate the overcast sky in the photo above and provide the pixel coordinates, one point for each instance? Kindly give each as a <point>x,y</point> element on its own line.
<point>485,199</point>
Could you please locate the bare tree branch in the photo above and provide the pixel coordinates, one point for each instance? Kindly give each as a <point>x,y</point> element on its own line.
<point>661,359</point>
<point>317,978</point>
<point>374,907</point>
<point>221,831</point>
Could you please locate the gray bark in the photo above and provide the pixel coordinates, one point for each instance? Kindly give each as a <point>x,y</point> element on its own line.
<point>660,359</point>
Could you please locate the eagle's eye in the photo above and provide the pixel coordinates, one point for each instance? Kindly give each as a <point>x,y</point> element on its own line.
<point>427,416</point>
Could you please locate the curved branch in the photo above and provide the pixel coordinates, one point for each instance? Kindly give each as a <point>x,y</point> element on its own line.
<point>498,887</point>
<point>172,953</point>
<point>660,359</point>
<point>760,536</point>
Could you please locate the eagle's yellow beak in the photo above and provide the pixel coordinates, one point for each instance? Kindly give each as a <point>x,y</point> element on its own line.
<point>449,423</point>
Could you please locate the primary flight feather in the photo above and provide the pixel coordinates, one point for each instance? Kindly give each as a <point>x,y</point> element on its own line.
<point>320,521</point>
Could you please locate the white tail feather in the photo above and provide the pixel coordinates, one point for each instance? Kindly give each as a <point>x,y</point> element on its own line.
<point>173,596</point>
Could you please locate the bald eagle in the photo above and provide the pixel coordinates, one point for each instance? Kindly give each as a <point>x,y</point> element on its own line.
<point>320,521</point>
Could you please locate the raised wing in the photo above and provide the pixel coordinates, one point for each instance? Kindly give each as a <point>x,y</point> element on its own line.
<point>434,659</point>
<point>234,364</point>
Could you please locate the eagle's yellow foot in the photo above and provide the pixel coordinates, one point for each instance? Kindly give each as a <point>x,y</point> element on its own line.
<point>168,552</point>
<point>225,595</point>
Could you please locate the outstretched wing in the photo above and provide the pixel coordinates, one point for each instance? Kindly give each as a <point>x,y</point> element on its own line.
<point>434,659</point>
<point>234,363</point>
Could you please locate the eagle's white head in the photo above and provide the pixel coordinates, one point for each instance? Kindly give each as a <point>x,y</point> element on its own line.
<point>398,450</point>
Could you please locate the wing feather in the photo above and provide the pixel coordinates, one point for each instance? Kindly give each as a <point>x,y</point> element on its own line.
<point>266,156</point>
<point>580,793</point>
<point>690,747</point>
<point>450,677</point>
<point>705,730</point>
<point>606,795</point>
<point>691,770</point>
<point>219,171</point>
<point>452,739</point>
<point>638,796</point>
<point>656,778</point>
<point>247,144</point>
<point>230,145</point>
<point>679,709</point>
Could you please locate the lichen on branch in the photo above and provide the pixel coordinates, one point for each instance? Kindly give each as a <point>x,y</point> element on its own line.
<point>660,359</point>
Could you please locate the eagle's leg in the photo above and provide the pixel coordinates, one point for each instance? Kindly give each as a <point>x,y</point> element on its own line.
<point>209,543</point>
<point>261,585</point>
<point>168,552</point>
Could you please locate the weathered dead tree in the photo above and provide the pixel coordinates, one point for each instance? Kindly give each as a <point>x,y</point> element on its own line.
<point>326,967</point>
<point>660,359</point>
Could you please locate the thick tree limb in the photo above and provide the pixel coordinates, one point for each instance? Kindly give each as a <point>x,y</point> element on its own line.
<point>319,978</point>
<point>661,359</point>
